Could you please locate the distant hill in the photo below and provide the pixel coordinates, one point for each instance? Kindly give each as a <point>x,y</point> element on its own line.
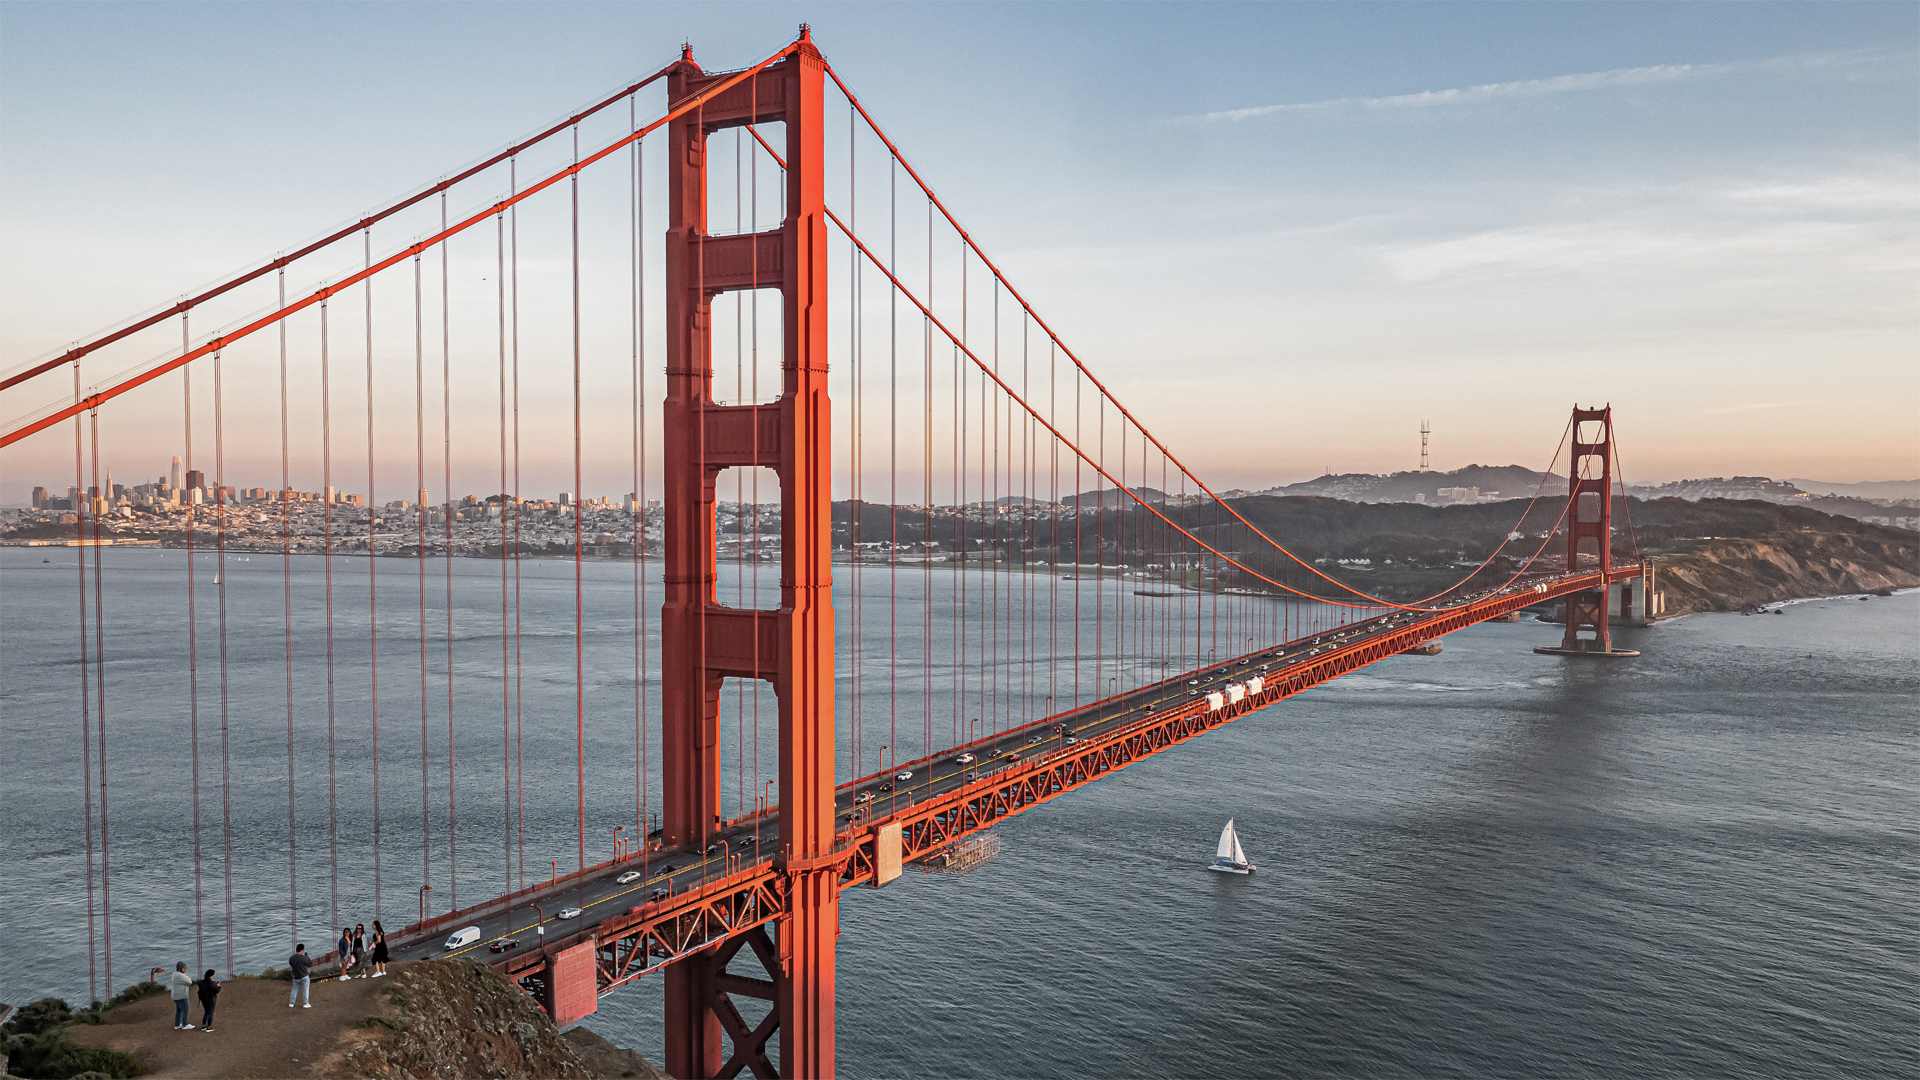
<point>1869,489</point>
<point>1494,482</point>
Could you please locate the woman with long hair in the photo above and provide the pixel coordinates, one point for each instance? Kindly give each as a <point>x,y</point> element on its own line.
<point>379,949</point>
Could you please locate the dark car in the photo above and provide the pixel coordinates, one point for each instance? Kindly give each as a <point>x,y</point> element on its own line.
<point>886,787</point>
<point>658,895</point>
<point>502,944</point>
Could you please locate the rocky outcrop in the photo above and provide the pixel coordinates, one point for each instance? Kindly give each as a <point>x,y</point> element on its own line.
<point>1721,574</point>
<point>453,1018</point>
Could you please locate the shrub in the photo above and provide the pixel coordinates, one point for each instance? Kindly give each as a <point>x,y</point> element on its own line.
<point>42,1015</point>
<point>67,1061</point>
<point>36,1045</point>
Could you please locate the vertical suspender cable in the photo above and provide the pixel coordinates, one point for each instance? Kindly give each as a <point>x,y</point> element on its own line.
<point>326,565</point>
<point>739,487</point>
<point>640,464</point>
<point>286,612</point>
<point>100,710</point>
<point>420,560</point>
<point>446,518</point>
<point>579,598</point>
<point>855,507</point>
<point>993,516</point>
<point>373,587</point>
<point>519,686</point>
<point>220,592</point>
<point>193,649</point>
<point>506,656</point>
<point>893,466</point>
<point>638,508</point>
<point>86,691</point>
<point>926,510</point>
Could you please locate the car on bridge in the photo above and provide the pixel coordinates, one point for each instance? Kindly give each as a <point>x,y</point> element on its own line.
<point>568,913</point>
<point>502,944</point>
<point>886,787</point>
<point>963,759</point>
<point>628,878</point>
<point>903,775</point>
<point>658,895</point>
<point>863,797</point>
<point>463,937</point>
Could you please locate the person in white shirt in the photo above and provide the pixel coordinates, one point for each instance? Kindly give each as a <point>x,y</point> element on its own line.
<point>181,984</point>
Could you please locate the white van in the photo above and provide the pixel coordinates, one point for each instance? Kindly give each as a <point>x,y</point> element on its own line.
<point>463,937</point>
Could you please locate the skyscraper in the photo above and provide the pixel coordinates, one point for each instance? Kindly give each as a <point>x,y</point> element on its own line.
<point>175,482</point>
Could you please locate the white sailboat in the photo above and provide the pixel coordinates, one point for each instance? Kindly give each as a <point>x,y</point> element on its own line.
<point>1231,859</point>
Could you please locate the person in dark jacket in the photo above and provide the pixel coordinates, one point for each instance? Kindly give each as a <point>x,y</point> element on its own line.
<point>344,951</point>
<point>209,992</point>
<point>360,948</point>
<point>379,949</point>
<point>300,966</point>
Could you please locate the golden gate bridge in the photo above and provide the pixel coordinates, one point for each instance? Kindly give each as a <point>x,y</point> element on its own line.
<point>971,433</point>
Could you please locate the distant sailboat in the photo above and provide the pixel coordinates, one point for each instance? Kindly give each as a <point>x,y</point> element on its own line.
<point>1231,858</point>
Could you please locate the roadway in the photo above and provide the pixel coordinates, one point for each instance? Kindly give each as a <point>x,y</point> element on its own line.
<point>752,840</point>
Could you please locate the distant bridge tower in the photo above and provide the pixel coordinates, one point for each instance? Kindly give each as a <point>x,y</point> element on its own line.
<point>1590,530</point>
<point>1425,430</point>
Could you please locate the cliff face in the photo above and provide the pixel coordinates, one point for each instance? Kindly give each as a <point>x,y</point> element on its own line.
<point>450,1018</point>
<point>1721,574</point>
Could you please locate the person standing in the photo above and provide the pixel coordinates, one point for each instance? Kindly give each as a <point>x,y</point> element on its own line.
<point>379,949</point>
<point>179,983</point>
<point>343,951</point>
<point>300,966</point>
<point>209,993</point>
<point>360,948</point>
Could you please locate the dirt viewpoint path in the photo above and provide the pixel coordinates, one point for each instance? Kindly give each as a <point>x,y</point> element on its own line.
<point>254,1033</point>
<point>441,1019</point>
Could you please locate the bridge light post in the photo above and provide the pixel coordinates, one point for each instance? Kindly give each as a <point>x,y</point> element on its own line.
<point>619,842</point>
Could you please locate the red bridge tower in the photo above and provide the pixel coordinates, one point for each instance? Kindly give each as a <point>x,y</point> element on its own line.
<point>704,642</point>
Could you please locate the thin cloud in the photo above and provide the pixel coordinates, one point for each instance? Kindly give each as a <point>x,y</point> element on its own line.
<point>1532,88</point>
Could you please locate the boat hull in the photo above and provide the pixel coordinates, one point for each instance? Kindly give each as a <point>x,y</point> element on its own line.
<point>1231,869</point>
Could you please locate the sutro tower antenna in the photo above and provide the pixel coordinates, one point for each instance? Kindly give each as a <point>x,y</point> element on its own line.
<point>1425,430</point>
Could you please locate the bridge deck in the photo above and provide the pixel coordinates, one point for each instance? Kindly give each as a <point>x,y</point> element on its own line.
<point>678,902</point>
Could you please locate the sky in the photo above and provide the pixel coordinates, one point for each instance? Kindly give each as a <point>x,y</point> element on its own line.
<point>1284,234</point>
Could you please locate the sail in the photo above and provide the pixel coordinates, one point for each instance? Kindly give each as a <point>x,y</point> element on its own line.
<point>1239,856</point>
<point>1229,843</point>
